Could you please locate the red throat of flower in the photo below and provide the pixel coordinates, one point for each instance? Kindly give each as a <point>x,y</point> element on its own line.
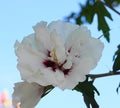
<point>54,66</point>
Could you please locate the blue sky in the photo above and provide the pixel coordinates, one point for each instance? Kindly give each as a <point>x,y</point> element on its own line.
<point>16,20</point>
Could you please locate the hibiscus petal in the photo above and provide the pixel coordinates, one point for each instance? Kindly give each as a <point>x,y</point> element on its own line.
<point>85,45</point>
<point>58,46</point>
<point>48,77</point>
<point>27,94</point>
<point>84,66</point>
<point>68,83</point>
<point>95,49</point>
<point>29,57</point>
<point>84,51</point>
<point>80,34</point>
<point>42,36</point>
<point>62,28</point>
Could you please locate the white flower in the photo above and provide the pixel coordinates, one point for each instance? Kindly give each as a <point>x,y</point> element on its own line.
<point>26,94</point>
<point>44,58</point>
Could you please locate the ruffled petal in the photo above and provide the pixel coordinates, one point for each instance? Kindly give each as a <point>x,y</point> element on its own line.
<point>42,36</point>
<point>68,83</point>
<point>58,46</point>
<point>83,68</point>
<point>27,94</point>
<point>84,52</point>
<point>62,28</point>
<point>49,77</point>
<point>85,45</point>
<point>29,57</point>
<point>80,34</point>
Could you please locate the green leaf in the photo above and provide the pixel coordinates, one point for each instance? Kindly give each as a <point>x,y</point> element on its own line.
<point>118,1</point>
<point>102,12</point>
<point>88,12</point>
<point>109,2</point>
<point>70,16</point>
<point>88,90</point>
<point>78,20</point>
<point>118,88</point>
<point>112,2</point>
<point>116,58</point>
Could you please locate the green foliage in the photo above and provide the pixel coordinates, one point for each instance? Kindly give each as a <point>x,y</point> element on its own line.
<point>102,12</point>
<point>112,2</point>
<point>116,58</point>
<point>88,90</point>
<point>118,88</point>
<point>87,13</point>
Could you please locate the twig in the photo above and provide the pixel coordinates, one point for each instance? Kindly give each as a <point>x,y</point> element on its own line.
<point>113,9</point>
<point>103,34</point>
<point>111,73</point>
<point>100,36</point>
<point>110,6</point>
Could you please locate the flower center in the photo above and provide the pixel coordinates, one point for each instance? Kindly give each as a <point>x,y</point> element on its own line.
<point>53,64</point>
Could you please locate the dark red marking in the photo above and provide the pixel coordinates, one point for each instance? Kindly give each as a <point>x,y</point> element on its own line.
<point>54,66</point>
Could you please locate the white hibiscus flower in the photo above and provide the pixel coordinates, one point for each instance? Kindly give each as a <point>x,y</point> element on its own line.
<point>45,59</point>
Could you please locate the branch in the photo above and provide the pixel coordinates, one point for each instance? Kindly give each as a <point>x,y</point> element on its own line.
<point>110,73</point>
<point>110,6</point>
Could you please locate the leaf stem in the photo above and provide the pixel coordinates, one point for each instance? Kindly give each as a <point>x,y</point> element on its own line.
<point>110,73</point>
<point>110,6</point>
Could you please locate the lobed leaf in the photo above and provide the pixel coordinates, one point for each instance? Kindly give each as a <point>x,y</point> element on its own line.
<point>87,13</point>
<point>102,12</point>
<point>88,90</point>
<point>116,58</point>
<point>118,88</point>
<point>112,2</point>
